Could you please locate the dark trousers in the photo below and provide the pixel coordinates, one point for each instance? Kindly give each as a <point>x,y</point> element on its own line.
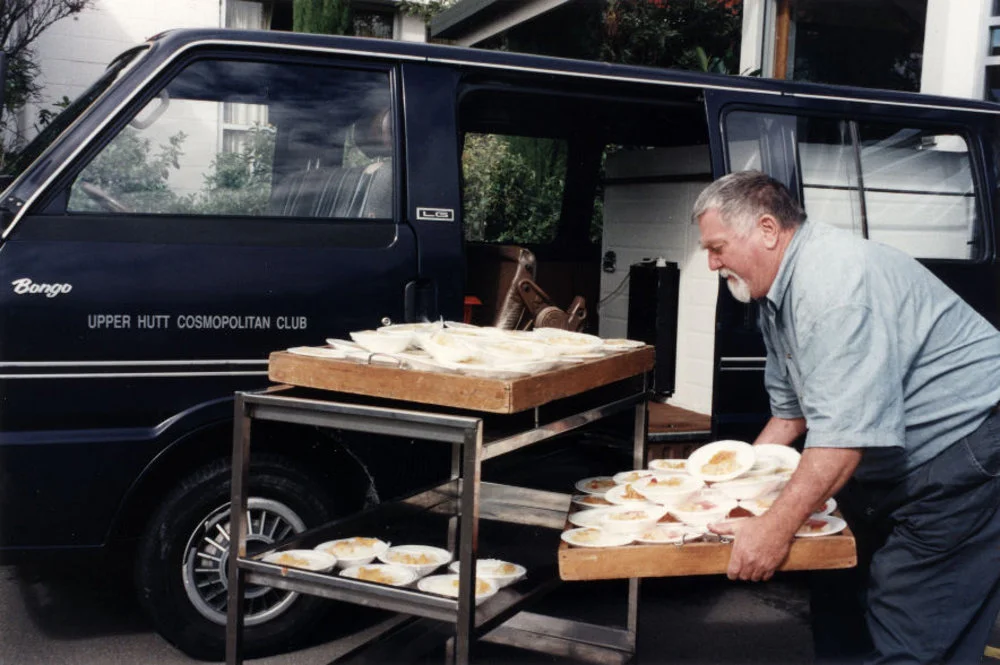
<point>927,587</point>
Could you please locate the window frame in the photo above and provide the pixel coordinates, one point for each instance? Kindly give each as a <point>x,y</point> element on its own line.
<point>56,199</point>
<point>919,119</point>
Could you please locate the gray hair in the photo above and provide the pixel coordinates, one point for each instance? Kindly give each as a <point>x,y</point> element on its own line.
<point>743,197</point>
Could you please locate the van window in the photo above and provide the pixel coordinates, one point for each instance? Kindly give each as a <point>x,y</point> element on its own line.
<point>250,139</point>
<point>908,187</point>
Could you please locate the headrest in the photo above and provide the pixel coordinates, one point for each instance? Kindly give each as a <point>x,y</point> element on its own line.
<point>373,135</point>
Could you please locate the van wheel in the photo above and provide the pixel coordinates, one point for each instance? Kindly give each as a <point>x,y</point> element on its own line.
<point>183,557</point>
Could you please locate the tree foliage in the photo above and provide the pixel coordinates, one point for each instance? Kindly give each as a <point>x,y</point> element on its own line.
<point>325,17</point>
<point>513,188</point>
<point>684,34</point>
<point>21,24</point>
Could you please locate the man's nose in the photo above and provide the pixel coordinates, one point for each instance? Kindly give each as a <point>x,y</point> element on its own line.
<point>713,262</point>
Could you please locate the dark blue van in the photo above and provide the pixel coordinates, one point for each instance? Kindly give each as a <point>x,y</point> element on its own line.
<point>218,195</point>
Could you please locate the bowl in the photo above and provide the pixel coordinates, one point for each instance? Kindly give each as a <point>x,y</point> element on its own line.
<point>501,573</point>
<point>447,585</point>
<point>704,508</point>
<point>663,534</point>
<point>763,465</point>
<point>448,347</point>
<point>381,573</point>
<point>421,559</point>
<point>721,460</point>
<point>595,485</point>
<point>590,501</point>
<point>374,341</point>
<point>319,562</point>
<point>594,537</point>
<point>751,487</point>
<point>788,458</point>
<point>669,490</point>
<point>629,519</point>
<point>502,352</point>
<point>353,551</point>
<point>668,465</point>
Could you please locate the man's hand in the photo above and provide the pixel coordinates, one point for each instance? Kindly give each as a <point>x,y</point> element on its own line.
<point>759,546</point>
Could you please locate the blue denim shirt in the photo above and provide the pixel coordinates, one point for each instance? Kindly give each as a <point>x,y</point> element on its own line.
<point>874,352</point>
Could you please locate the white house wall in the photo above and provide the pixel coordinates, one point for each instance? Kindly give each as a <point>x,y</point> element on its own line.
<point>73,52</point>
<point>652,220</point>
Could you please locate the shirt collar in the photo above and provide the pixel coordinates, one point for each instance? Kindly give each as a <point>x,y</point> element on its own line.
<point>780,285</point>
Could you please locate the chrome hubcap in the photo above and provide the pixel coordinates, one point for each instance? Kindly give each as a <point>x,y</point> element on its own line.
<point>206,561</point>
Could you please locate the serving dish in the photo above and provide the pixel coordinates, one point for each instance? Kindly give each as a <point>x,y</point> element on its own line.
<point>421,559</point>
<point>319,562</point>
<point>721,460</point>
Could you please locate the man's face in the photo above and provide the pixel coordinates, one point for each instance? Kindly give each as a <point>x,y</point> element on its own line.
<point>740,260</point>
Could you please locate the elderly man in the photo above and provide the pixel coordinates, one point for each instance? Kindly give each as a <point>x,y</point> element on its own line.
<point>895,382</point>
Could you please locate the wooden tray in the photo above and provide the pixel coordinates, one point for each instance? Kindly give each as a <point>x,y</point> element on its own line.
<point>697,558</point>
<point>457,390</point>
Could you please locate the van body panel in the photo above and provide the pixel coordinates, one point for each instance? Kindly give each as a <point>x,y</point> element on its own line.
<point>88,391</point>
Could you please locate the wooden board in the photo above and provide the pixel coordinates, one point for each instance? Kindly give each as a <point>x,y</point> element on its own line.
<point>457,390</point>
<point>697,558</point>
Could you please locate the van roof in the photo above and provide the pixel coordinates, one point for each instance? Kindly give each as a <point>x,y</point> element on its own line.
<point>181,39</point>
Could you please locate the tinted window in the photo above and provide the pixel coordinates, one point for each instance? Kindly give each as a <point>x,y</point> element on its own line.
<point>249,139</point>
<point>903,186</point>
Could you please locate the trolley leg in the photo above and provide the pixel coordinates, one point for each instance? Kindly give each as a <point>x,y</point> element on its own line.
<point>468,542</point>
<point>237,533</point>
<point>640,436</point>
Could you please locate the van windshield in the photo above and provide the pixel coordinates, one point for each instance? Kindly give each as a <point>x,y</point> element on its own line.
<point>16,164</point>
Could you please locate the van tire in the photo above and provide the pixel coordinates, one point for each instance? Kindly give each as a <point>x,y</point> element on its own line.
<point>275,482</point>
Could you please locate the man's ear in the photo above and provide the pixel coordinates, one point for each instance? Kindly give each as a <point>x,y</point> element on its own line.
<point>770,230</point>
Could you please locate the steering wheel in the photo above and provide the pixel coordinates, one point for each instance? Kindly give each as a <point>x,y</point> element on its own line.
<point>103,199</point>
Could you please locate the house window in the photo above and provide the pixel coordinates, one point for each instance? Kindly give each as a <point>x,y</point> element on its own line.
<point>870,43</point>
<point>370,23</point>
<point>993,83</point>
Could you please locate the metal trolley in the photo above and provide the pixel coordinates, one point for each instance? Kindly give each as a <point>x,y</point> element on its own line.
<point>521,524</point>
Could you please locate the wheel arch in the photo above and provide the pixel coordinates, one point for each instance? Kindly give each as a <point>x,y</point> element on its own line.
<point>194,441</point>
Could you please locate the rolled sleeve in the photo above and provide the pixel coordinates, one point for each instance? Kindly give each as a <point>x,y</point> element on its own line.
<point>784,401</point>
<point>852,393</point>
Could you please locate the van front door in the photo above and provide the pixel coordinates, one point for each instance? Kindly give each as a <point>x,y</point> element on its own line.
<point>240,207</point>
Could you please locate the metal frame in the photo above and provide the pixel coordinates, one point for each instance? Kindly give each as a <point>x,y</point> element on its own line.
<point>464,500</point>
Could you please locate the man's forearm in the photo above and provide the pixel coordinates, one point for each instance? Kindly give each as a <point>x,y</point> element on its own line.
<point>820,474</point>
<point>782,431</point>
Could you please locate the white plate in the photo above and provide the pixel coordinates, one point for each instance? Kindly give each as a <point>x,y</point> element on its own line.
<point>669,488</point>
<point>380,573</point>
<point>374,341</point>
<point>353,551</point>
<point>569,343</point>
<point>758,506</point>
<point>506,351</point>
<point>447,585</point>
<point>595,485</point>
<point>763,465</point>
<point>705,507</point>
<point>665,534</point>
<point>317,351</point>
<point>830,526</point>
<point>588,518</point>
<point>788,457</point>
<point>721,460</point>
<point>501,573</point>
<point>589,537</point>
<point>619,343</point>
<point>407,555</point>
<point>630,519</point>
<point>590,501</point>
<point>751,487</point>
<point>668,465</point>
<point>424,327</point>
<point>319,562</point>
<point>617,495</point>
<point>623,477</point>
<point>828,507</point>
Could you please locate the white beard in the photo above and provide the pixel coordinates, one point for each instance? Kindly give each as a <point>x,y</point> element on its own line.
<point>737,285</point>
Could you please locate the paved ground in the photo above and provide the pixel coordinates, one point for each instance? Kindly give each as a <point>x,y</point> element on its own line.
<point>86,616</point>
